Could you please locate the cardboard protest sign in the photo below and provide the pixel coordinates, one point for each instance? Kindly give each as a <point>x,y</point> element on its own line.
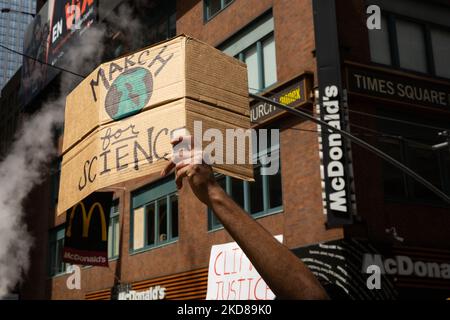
<point>86,239</point>
<point>231,275</point>
<point>120,119</point>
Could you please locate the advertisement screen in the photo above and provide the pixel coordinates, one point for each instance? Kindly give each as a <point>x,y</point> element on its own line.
<point>47,39</point>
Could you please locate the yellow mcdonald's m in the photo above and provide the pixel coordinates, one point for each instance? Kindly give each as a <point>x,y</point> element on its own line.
<point>87,219</point>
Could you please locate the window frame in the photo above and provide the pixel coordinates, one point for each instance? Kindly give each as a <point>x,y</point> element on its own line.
<point>206,4</point>
<point>254,34</point>
<point>214,224</point>
<point>114,216</point>
<point>262,86</point>
<point>55,235</point>
<point>427,27</point>
<point>167,191</point>
<point>407,182</point>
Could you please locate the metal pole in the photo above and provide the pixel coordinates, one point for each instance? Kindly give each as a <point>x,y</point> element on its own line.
<point>359,142</point>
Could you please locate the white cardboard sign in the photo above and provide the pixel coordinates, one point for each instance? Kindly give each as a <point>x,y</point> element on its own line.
<point>231,276</point>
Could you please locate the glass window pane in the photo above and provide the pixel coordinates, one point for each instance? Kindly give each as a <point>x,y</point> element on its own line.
<point>237,191</point>
<point>256,192</point>
<point>174,208</point>
<point>150,219</point>
<point>221,180</point>
<point>411,46</point>
<point>162,220</point>
<point>114,208</point>
<point>445,156</point>
<point>425,163</point>
<point>214,222</point>
<point>138,228</point>
<point>393,181</point>
<point>110,239</point>
<point>380,49</point>
<point>59,254</point>
<point>270,62</point>
<point>53,258</point>
<point>213,6</point>
<point>116,236</point>
<point>441,51</point>
<point>251,59</point>
<point>275,190</point>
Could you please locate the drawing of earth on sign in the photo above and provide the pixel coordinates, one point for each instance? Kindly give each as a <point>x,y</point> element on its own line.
<point>129,93</point>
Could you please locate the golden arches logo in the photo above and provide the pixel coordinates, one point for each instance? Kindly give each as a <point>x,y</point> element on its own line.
<point>87,219</point>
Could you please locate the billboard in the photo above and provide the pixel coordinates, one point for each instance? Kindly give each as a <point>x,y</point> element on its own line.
<point>47,40</point>
<point>86,239</point>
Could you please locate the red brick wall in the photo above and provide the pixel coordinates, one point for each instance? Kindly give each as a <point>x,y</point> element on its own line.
<point>304,221</point>
<point>294,33</point>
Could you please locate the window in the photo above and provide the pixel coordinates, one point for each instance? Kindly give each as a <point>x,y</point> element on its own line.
<point>255,46</point>
<point>212,7</point>
<point>440,39</point>
<point>411,45</point>
<point>380,49</point>
<point>155,215</point>
<point>114,232</point>
<point>56,241</point>
<point>413,147</point>
<point>261,64</point>
<point>394,181</point>
<point>260,198</point>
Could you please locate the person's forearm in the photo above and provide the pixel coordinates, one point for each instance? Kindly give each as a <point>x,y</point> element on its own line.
<point>284,273</point>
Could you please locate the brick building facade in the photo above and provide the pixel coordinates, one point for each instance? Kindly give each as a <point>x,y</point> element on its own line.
<point>277,41</point>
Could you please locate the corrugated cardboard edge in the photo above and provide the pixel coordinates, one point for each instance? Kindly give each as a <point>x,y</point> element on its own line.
<point>215,100</point>
<point>234,175</point>
<point>189,38</point>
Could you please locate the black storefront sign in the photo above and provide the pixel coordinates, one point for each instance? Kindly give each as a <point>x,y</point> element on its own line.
<point>292,93</point>
<point>405,272</point>
<point>381,84</point>
<point>341,267</point>
<point>86,238</point>
<point>335,161</point>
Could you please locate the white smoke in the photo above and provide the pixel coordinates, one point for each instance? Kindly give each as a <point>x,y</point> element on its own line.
<point>20,171</point>
<point>24,167</point>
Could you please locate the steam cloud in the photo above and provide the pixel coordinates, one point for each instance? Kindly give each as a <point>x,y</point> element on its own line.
<point>24,167</point>
<point>20,171</point>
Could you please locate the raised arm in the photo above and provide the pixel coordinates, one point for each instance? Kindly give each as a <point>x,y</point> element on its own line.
<point>287,276</point>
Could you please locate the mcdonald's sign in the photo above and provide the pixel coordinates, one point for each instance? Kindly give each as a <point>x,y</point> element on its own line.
<point>86,240</point>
